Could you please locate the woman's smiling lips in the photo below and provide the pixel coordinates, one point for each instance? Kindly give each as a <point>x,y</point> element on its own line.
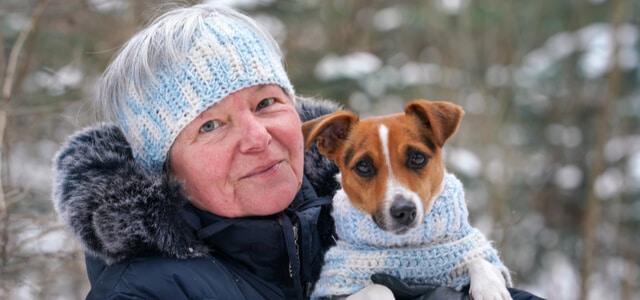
<point>264,170</point>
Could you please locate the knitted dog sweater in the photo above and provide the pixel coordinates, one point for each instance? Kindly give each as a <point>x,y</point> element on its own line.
<point>434,253</point>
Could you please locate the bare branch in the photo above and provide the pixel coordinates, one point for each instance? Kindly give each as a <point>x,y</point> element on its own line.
<point>17,48</point>
<point>6,96</point>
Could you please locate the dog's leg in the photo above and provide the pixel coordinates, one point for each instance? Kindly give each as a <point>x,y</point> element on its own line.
<point>373,292</point>
<point>487,282</point>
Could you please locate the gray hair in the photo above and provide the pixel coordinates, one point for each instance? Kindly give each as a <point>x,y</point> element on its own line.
<point>164,42</point>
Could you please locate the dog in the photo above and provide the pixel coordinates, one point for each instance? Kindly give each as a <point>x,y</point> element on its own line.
<point>396,194</point>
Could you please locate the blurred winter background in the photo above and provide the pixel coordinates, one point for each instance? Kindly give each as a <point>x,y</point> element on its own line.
<point>549,148</point>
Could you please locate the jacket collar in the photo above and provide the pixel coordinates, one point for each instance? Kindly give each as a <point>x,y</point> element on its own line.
<point>264,245</point>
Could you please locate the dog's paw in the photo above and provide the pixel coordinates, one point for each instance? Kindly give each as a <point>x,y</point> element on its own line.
<point>373,292</point>
<point>487,282</point>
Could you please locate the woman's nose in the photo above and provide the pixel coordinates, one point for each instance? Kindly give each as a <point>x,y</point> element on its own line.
<point>254,135</point>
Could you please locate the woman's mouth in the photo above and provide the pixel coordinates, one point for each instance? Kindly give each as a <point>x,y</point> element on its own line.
<point>265,170</point>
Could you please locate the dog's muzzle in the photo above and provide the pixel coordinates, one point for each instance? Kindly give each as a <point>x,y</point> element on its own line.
<point>399,218</point>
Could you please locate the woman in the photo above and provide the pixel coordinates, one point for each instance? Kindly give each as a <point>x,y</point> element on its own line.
<point>198,188</point>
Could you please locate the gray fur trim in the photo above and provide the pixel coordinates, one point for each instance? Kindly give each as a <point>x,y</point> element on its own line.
<point>118,210</point>
<point>112,205</point>
<point>319,170</point>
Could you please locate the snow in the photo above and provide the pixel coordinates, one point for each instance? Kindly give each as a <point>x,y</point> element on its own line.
<point>352,66</point>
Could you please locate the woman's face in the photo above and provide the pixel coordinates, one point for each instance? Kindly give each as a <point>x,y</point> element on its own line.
<point>243,156</point>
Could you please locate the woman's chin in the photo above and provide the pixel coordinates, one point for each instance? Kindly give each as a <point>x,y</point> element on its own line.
<point>277,201</point>
<point>273,196</point>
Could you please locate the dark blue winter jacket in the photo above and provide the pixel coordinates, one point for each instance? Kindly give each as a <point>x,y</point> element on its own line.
<point>251,258</point>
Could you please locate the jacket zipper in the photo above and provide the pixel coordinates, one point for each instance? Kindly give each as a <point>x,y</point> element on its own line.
<point>297,248</point>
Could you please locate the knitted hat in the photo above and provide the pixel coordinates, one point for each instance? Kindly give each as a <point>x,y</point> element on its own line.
<point>225,55</point>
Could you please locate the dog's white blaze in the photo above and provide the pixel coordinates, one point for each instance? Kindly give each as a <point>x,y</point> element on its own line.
<point>383,132</point>
<point>394,187</point>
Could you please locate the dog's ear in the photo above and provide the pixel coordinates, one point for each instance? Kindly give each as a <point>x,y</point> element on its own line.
<point>329,130</point>
<point>442,118</point>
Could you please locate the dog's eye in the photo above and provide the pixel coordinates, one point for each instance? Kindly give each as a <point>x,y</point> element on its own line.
<point>364,168</point>
<point>417,160</point>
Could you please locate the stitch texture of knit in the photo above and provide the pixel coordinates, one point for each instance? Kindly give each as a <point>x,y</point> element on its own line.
<point>224,58</point>
<point>434,253</point>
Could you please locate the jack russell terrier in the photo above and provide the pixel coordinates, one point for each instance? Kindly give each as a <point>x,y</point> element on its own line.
<point>399,212</point>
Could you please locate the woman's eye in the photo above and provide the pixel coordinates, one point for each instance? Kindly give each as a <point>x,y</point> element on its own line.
<point>209,126</point>
<point>265,103</point>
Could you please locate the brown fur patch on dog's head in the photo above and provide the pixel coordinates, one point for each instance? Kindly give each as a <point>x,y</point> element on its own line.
<point>375,153</point>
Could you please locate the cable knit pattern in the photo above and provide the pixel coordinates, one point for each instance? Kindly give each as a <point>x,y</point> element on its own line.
<point>434,253</point>
<point>224,57</point>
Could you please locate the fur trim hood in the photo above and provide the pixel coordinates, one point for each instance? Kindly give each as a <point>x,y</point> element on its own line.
<point>117,210</point>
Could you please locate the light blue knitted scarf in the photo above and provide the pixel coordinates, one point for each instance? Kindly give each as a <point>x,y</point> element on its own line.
<point>434,253</point>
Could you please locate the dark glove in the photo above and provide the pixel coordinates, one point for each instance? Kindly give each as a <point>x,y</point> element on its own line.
<point>403,291</point>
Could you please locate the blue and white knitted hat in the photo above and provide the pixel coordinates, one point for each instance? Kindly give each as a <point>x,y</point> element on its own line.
<point>224,55</point>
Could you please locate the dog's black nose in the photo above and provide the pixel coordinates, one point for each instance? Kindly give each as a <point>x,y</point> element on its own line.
<point>403,211</point>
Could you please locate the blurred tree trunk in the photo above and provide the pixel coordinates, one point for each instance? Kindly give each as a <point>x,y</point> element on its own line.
<point>604,131</point>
